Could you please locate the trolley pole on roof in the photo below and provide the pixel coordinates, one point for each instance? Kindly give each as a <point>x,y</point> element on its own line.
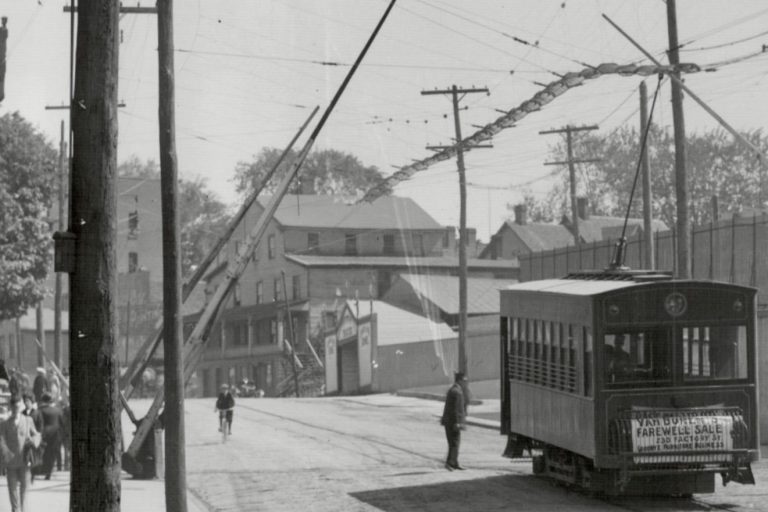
<point>568,130</point>
<point>454,92</point>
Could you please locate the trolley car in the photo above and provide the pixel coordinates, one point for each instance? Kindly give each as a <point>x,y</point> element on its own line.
<point>631,381</point>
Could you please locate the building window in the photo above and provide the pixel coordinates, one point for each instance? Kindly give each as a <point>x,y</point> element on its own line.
<point>447,237</point>
<point>271,247</point>
<point>133,262</point>
<point>263,334</point>
<point>237,335</point>
<point>296,282</point>
<point>313,242</point>
<point>276,294</point>
<point>418,245</point>
<point>273,331</point>
<point>259,292</point>
<point>384,281</point>
<point>389,244</point>
<point>237,294</point>
<point>329,320</point>
<point>350,244</point>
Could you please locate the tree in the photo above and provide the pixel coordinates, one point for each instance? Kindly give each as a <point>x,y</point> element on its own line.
<point>203,219</point>
<point>717,166</point>
<point>201,215</point>
<point>326,172</point>
<point>135,168</point>
<point>27,171</point>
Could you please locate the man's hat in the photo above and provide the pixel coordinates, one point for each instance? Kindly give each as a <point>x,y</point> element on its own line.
<point>458,375</point>
<point>46,398</point>
<point>224,386</point>
<point>40,369</point>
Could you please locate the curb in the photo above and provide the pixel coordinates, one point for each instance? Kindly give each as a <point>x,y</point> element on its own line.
<point>480,422</point>
<point>432,396</point>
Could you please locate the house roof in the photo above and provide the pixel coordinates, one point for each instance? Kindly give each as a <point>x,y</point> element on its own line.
<point>320,211</point>
<point>596,227</point>
<point>396,326</point>
<point>443,292</point>
<point>539,237</point>
<point>311,260</point>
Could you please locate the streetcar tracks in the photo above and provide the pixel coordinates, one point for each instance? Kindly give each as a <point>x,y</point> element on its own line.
<point>367,439</point>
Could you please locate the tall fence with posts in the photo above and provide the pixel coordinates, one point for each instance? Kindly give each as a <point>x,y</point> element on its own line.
<point>733,250</point>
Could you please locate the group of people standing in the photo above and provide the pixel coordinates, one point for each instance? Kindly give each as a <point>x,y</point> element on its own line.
<point>37,422</point>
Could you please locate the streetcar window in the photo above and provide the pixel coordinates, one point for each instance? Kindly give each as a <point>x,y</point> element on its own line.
<point>571,347</point>
<point>638,357</point>
<point>714,353</point>
<point>547,373</point>
<point>587,361</point>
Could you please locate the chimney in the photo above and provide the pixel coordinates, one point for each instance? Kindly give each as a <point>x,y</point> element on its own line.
<point>582,206</point>
<point>521,214</point>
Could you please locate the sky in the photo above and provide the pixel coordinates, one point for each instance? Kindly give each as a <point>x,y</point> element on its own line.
<point>248,73</point>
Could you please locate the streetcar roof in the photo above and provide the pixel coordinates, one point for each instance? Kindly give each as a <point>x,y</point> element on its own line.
<point>590,287</point>
<point>571,286</point>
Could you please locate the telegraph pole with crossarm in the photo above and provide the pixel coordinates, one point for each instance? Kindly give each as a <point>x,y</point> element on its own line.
<point>568,130</point>
<point>454,91</point>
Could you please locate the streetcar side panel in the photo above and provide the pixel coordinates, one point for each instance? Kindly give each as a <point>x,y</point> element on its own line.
<point>547,388</point>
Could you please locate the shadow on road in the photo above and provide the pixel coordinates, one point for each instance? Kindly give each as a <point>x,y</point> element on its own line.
<point>506,492</point>
<point>511,492</point>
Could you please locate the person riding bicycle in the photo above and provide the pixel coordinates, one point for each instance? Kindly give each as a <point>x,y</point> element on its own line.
<point>225,405</point>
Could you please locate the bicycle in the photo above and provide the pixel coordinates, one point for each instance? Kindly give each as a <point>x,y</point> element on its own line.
<point>224,423</point>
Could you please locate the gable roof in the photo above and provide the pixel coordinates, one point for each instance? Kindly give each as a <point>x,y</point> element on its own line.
<point>596,228</point>
<point>539,237</point>
<point>443,292</point>
<point>396,326</point>
<point>320,211</point>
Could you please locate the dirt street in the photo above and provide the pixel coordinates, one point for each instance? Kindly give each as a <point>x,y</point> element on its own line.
<point>383,453</point>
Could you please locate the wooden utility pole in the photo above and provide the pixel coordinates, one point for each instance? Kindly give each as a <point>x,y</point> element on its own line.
<point>454,91</point>
<point>678,119</point>
<point>95,397</point>
<point>57,306</point>
<point>568,130</point>
<point>127,327</point>
<point>291,335</point>
<point>3,45</point>
<point>645,167</point>
<point>175,459</point>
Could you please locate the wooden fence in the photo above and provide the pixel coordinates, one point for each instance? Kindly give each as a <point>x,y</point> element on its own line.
<point>734,251</point>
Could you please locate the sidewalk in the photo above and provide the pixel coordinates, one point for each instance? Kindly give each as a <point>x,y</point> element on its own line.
<point>483,412</point>
<point>136,495</point>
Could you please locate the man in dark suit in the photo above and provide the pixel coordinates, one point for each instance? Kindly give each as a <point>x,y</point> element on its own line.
<point>53,432</point>
<point>40,385</point>
<point>454,414</point>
